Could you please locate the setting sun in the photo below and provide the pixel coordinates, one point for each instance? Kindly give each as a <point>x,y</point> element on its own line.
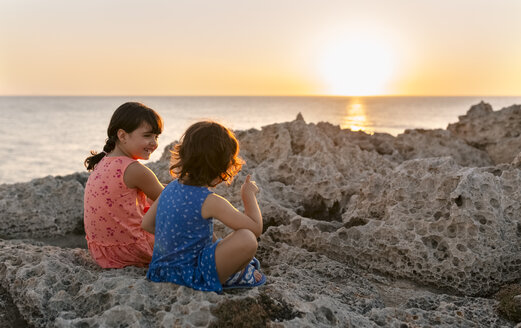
<point>356,67</point>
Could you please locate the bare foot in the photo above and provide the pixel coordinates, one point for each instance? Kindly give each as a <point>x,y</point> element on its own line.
<point>257,275</point>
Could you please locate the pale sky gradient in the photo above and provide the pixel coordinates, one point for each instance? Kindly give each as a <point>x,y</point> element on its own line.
<point>269,47</point>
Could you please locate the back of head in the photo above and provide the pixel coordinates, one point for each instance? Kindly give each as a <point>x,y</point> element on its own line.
<point>206,155</point>
<point>129,117</point>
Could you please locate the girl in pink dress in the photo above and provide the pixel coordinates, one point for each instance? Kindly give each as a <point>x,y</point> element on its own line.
<point>117,189</point>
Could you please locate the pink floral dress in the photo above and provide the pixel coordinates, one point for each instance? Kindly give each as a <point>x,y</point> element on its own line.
<point>112,216</point>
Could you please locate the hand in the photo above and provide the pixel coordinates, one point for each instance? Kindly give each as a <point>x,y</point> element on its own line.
<point>249,187</point>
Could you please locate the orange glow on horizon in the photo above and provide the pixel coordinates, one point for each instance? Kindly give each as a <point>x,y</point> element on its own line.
<point>337,48</point>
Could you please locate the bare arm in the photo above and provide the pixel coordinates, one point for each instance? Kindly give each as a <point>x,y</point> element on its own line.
<point>149,219</point>
<point>219,208</point>
<point>139,176</point>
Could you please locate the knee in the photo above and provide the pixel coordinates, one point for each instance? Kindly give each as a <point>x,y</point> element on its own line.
<point>249,240</point>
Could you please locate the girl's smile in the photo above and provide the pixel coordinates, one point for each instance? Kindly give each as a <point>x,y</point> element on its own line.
<point>140,143</point>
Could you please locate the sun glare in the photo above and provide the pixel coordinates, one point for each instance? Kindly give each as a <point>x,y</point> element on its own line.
<point>355,118</point>
<point>356,67</point>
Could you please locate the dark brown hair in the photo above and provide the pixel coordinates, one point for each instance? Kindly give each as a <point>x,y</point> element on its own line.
<point>206,151</point>
<point>129,116</point>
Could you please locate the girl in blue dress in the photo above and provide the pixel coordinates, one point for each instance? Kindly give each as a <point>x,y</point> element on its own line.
<point>186,251</point>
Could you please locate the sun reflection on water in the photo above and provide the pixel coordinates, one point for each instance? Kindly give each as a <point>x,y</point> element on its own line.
<point>355,118</point>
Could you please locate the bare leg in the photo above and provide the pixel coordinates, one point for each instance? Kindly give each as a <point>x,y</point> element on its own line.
<point>234,252</point>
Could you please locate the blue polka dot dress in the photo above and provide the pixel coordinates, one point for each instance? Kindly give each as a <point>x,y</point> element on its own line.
<point>184,251</point>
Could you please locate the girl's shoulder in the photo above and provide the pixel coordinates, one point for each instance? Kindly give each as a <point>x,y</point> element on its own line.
<point>137,175</point>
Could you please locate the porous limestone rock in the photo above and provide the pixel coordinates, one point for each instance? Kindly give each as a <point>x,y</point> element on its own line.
<point>10,317</point>
<point>496,132</point>
<point>360,231</point>
<point>382,143</point>
<point>42,207</point>
<point>57,287</point>
<point>302,169</point>
<point>412,144</point>
<point>420,143</point>
<point>430,221</point>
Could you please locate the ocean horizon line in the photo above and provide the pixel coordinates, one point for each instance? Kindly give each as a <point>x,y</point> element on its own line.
<point>69,126</point>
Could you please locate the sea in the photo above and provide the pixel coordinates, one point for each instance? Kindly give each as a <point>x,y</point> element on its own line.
<point>50,135</point>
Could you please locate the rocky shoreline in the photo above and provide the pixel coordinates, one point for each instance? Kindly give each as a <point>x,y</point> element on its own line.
<point>422,229</point>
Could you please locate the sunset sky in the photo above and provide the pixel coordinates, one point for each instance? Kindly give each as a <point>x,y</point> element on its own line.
<point>269,47</point>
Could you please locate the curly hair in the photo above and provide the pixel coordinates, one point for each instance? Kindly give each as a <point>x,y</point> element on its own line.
<point>207,155</point>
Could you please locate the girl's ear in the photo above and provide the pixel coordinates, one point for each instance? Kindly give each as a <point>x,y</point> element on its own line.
<point>122,135</point>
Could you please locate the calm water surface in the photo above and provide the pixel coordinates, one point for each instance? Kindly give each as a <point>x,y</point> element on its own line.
<point>52,135</point>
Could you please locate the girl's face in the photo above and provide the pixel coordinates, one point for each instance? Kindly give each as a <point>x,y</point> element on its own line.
<point>140,143</point>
